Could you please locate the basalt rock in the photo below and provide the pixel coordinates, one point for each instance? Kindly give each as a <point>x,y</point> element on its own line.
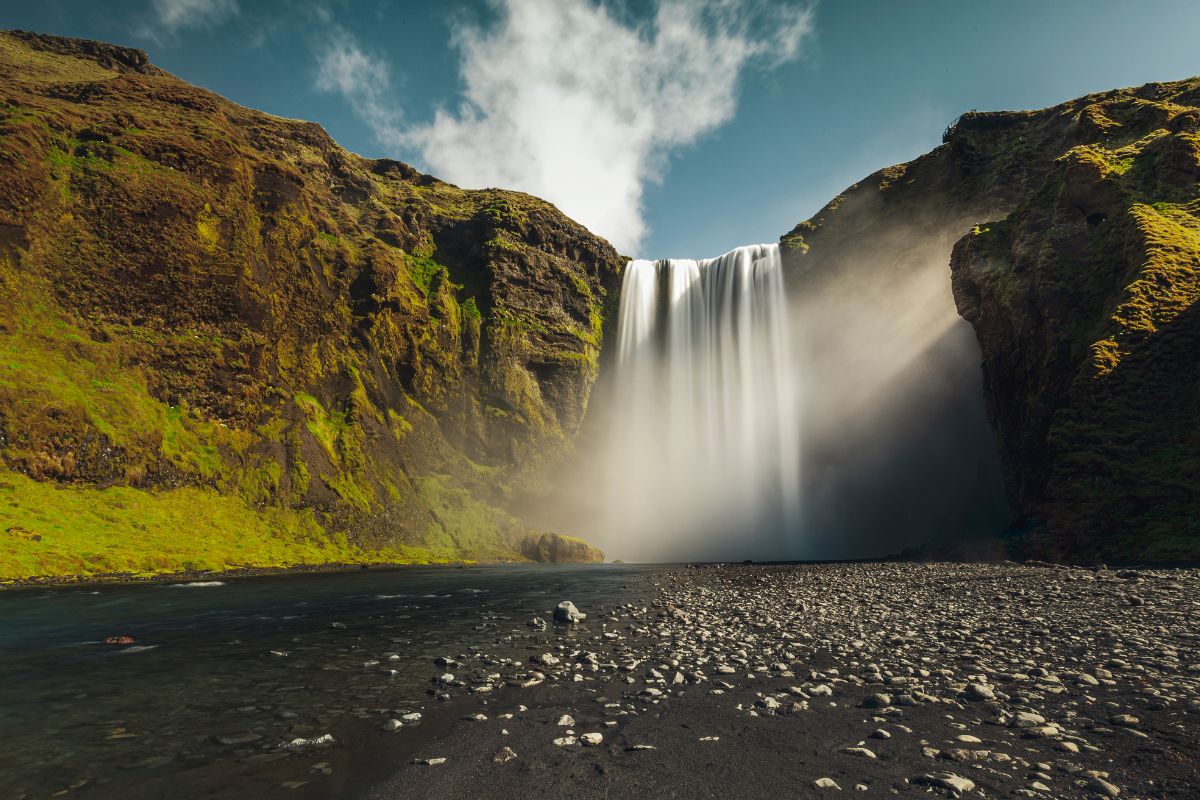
<point>225,319</point>
<point>1072,236</point>
<point>554,548</point>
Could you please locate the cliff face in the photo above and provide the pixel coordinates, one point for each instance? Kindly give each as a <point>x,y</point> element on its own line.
<point>1084,300</point>
<point>1073,239</point>
<point>222,331</point>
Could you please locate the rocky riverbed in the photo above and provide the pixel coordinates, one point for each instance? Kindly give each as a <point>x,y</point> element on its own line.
<point>713,681</point>
<point>805,681</point>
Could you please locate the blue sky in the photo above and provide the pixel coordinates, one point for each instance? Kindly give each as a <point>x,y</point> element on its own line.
<point>673,128</point>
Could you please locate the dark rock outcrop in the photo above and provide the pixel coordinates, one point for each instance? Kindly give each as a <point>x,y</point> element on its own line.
<point>1073,236</point>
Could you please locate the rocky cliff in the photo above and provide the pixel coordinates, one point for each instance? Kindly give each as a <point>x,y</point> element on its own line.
<point>225,341</point>
<point>1072,236</point>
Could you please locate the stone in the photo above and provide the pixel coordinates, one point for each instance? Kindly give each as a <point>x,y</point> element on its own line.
<point>507,754</point>
<point>826,783</point>
<point>567,613</point>
<point>555,548</point>
<point>1098,784</point>
<point>956,784</point>
<point>979,692</point>
<point>591,739</point>
<point>861,752</point>
<point>300,743</point>
<point>877,701</point>
<point>1026,719</point>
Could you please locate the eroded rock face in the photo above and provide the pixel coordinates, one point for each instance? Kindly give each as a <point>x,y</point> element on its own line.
<point>1084,302</point>
<point>202,295</point>
<point>554,548</point>
<point>1073,238</point>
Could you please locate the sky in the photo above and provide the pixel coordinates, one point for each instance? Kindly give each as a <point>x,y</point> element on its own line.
<point>672,128</point>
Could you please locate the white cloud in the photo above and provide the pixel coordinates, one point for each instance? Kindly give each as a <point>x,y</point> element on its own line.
<point>176,15</point>
<point>565,100</point>
<point>363,79</point>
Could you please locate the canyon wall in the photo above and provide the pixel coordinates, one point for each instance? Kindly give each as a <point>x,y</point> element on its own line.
<point>1071,236</point>
<point>226,341</point>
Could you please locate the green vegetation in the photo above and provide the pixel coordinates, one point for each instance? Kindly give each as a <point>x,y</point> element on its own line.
<point>464,523</point>
<point>425,272</point>
<point>51,530</point>
<point>470,309</point>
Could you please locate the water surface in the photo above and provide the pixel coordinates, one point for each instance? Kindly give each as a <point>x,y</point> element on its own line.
<point>259,661</point>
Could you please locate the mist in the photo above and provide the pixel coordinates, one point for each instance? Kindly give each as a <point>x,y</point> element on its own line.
<point>883,406</point>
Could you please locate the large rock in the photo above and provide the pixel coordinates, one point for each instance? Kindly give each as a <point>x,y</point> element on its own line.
<point>554,548</point>
<point>566,613</point>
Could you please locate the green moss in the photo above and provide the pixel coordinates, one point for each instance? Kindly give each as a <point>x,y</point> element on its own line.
<point>1166,285</point>
<point>518,320</point>
<point>48,530</point>
<point>327,427</point>
<point>502,211</point>
<point>470,309</point>
<point>354,490</point>
<point>208,228</point>
<point>425,272</point>
<point>399,425</point>
<point>466,523</point>
<point>505,241</point>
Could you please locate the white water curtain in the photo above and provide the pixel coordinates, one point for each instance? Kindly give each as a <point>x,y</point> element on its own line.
<point>705,443</point>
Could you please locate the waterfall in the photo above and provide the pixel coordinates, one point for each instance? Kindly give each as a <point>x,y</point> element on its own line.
<point>705,443</point>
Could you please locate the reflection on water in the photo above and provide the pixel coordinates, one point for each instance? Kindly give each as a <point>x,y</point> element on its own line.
<point>231,670</point>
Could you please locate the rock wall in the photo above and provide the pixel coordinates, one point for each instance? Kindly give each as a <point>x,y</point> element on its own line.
<point>1071,235</point>
<point>204,303</point>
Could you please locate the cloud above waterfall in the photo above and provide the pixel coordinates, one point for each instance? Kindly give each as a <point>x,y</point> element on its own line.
<point>176,15</point>
<point>576,102</point>
<point>363,78</point>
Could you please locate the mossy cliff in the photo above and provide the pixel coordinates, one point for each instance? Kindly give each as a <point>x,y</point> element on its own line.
<point>227,342</point>
<point>1076,258</point>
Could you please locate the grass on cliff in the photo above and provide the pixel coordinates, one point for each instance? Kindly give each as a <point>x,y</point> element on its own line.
<point>50,530</point>
<point>465,523</point>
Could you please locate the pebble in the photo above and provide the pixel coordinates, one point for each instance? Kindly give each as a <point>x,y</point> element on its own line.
<point>957,784</point>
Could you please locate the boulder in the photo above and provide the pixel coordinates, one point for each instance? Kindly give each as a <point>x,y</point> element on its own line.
<point>554,548</point>
<point>567,613</point>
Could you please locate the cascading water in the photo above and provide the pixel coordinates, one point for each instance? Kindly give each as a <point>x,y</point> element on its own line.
<point>705,446</point>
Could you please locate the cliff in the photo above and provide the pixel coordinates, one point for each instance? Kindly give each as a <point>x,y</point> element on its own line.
<point>227,342</point>
<point>1072,236</point>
